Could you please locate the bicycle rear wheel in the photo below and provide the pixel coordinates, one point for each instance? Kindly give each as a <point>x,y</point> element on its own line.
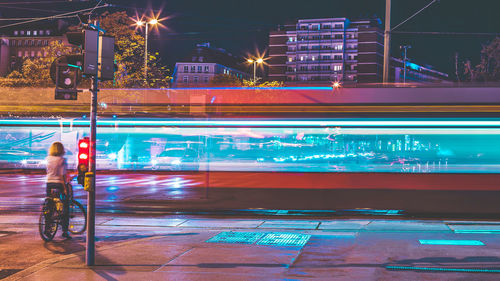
<point>47,226</point>
<point>77,218</point>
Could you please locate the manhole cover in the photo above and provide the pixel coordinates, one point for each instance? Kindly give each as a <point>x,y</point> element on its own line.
<point>236,237</point>
<point>284,239</point>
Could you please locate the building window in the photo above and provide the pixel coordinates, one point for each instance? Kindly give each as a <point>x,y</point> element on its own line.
<point>20,53</point>
<point>325,57</point>
<point>200,59</point>
<point>195,79</point>
<point>327,26</point>
<point>337,67</point>
<point>199,68</point>
<point>40,32</point>
<point>47,32</point>
<point>193,68</point>
<point>35,33</point>
<point>185,79</point>
<point>338,36</point>
<point>325,67</point>
<point>28,32</point>
<point>207,69</point>
<point>337,57</point>
<point>32,53</point>
<point>16,32</point>
<point>26,53</point>
<point>205,79</point>
<point>338,26</point>
<point>338,47</point>
<point>186,68</point>
<point>39,53</point>
<point>290,59</point>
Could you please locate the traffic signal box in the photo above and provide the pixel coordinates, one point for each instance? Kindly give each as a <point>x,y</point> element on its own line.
<point>97,59</point>
<point>83,159</point>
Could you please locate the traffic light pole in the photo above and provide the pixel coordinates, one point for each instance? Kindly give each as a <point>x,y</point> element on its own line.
<point>90,253</point>
<point>90,241</point>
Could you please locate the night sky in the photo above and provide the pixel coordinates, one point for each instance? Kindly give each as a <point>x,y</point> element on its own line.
<point>242,27</point>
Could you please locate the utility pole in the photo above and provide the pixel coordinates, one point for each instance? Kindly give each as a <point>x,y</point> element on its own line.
<point>387,40</point>
<point>405,58</point>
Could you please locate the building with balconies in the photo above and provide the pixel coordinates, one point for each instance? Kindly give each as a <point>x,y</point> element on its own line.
<point>330,49</point>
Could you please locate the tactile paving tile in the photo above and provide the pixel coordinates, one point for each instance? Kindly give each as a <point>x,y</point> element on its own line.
<point>284,239</point>
<point>236,237</point>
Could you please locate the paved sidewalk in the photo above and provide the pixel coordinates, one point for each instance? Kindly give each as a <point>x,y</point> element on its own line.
<point>174,248</point>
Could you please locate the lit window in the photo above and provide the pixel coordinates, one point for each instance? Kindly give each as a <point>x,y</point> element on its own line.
<point>32,53</point>
<point>22,32</point>
<point>47,32</point>
<point>20,53</point>
<point>40,32</point>
<point>35,33</point>
<point>337,67</point>
<point>39,54</point>
<point>207,68</point>
<point>28,32</point>
<point>290,59</point>
<point>26,53</point>
<point>16,32</point>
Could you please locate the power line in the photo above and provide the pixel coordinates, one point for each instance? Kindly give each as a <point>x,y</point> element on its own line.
<point>32,2</point>
<point>68,14</point>
<point>445,33</point>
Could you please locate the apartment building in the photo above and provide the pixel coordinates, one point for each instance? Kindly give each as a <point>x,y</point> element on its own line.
<point>337,49</point>
<point>204,63</point>
<point>330,49</point>
<point>27,41</point>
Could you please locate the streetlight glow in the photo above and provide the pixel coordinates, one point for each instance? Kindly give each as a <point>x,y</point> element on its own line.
<point>139,23</point>
<point>250,60</point>
<point>260,60</point>
<point>153,21</point>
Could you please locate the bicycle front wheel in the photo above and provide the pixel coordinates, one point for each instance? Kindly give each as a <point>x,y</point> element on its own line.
<point>47,226</point>
<point>77,218</point>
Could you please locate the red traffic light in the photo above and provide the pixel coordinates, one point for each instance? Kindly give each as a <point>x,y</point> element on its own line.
<point>83,151</point>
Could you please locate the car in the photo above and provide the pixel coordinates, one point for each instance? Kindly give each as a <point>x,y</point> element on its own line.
<point>176,159</point>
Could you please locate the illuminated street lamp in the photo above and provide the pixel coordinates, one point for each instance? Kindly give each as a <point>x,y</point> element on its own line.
<point>146,23</point>
<point>255,62</point>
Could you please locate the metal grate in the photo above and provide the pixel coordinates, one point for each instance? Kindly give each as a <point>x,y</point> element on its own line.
<point>284,239</point>
<point>236,237</point>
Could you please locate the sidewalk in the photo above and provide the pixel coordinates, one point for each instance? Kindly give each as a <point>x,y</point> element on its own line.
<point>282,249</point>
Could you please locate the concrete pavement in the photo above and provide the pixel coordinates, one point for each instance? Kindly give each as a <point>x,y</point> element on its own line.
<point>203,248</point>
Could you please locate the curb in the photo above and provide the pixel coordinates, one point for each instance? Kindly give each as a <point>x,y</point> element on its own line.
<point>39,266</point>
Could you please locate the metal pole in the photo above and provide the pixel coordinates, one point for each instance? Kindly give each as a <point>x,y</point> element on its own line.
<point>90,241</point>
<point>146,56</point>
<point>387,40</point>
<point>404,61</point>
<point>254,71</point>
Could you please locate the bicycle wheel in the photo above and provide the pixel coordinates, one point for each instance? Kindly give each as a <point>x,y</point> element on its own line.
<point>47,226</point>
<point>77,218</point>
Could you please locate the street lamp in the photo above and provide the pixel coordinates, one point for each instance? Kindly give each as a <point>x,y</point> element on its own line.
<point>255,62</point>
<point>146,23</point>
<point>405,59</point>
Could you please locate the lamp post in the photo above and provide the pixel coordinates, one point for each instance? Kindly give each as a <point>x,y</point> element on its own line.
<point>141,23</point>
<point>405,47</point>
<point>255,62</point>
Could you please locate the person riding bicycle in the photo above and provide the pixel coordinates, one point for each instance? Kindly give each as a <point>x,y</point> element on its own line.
<point>56,179</point>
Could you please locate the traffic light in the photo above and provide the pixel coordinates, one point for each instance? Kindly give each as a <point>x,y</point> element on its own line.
<point>65,72</point>
<point>83,159</point>
<point>87,41</point>
<point>106,58</point>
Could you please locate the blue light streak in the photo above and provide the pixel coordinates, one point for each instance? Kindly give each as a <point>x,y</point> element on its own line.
<point>452,242</point>
<point>255,123</point>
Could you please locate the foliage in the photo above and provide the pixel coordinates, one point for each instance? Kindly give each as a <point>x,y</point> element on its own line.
<point>489,67</point>
<point>129,54</point>
<point>225,80</point>
<point>266,84</point>
<point>35,71</point>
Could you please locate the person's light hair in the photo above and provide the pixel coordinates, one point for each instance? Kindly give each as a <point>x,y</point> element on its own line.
<point>56,149</point>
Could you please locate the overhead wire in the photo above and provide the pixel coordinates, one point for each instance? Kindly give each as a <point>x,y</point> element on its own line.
<point>68,14</point>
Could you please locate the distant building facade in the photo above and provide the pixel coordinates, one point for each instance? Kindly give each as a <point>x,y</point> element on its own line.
<point>27,41</point>
<point>329,49</point>
<point>204,63</point>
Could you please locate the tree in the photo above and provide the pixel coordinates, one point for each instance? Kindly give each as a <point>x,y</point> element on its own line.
<point>129,54</point>
<point>37,70</point>
<point>489,67</point>
<point>225,80</point>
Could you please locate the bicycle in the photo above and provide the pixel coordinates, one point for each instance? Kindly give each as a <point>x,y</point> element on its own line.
<point>52,213</point>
